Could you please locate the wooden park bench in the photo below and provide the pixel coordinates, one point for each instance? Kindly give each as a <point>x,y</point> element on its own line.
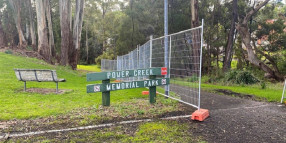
<point>37,75</point>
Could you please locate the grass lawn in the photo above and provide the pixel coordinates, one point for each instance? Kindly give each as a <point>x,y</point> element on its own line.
<point>16,104</point>
<point>94,68</point>
<point>272,92</point>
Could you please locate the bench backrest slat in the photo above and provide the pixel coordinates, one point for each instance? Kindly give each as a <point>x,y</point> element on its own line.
<point>36,75</point>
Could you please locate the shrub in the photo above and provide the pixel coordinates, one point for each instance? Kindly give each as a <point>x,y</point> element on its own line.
<point>193,78</point>
<point>8,52</point>
<point>263,85</point>
<point>240,77</point>
<point>246,77</point>
<point>105,55</point>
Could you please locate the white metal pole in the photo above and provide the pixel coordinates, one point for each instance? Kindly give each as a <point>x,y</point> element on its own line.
<point>166,39</point>
<point>169,71</point>
<point>201,54</point>
<point>151,42</point>
<point>283,91</point>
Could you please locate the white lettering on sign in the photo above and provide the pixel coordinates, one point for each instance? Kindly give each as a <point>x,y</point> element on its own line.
<point>117,86</point>
<point>151,72</point>
<point>127,73</point>
<point>108,87</point>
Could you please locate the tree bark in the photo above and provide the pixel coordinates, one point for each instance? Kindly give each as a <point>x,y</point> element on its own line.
<point>15,4</point>
<point>77,28</point>
<point>243,29</point>
<point>86,43</point>
<point>51,33</point>
<point>32,25</point>
<point>43,45</point>
<point>65,31</point>
<point>2,34</point>
<point>230,41</point>
<point>195,37</point>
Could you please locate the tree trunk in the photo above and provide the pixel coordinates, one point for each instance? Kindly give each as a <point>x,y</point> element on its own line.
<point>86,43</point>
<point>32,25</point>
<point>77,28</point>
<point>243,29</point>
<point>51,33</point>
<point>15,4</point>
<point>195,37</point>
<point>43,45</point>
<point>2,34</point>
<point>230,41</point>
<point>65,31</point>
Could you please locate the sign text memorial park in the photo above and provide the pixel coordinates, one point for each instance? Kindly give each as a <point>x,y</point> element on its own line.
<point>106,86</point>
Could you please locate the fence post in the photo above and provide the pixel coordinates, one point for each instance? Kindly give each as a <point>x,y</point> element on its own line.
<point>152,91</point>
<point>106,95</point>
<point>283,92</point>
<point>201,59</point>
<point>151,42</point>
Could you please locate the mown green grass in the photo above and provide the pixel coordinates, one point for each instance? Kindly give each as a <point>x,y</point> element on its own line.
<point>16,104</point>
<point>272,92</point>
<point>94,68</point>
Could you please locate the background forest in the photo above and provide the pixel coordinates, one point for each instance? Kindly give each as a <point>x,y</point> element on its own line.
<point>247,36</point>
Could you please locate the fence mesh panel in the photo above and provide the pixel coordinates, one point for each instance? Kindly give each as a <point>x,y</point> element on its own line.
<point>184,63</point>
<point>108,65</point>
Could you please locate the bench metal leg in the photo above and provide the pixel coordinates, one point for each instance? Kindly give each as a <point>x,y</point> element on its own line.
<point>57,90</point>
<point>25,86</point>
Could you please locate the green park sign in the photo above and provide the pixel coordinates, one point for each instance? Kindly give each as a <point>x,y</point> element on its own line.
<point>126,85</point>
<point>106,86</point>
<point>126,73</point>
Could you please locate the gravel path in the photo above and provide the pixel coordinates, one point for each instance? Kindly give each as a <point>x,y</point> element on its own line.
<point>234,119</point>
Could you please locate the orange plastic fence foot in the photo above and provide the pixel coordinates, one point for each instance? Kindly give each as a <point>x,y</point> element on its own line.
<point>200,115</point>
<point>117,81</point>
<point>147,92</point>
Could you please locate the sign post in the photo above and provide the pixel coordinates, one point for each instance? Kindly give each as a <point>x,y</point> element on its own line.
<point>152,91</point>
<point>106,94</point>
<point>106,86</point>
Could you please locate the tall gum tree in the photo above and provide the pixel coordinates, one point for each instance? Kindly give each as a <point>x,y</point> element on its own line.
<point>195,34</point>
<point>43,44</point>
<point>230,41</point>
<point>15,5</point>
<point>77,29</point>
<point>66,37</point>
<point>2,34</point>
<point>50,27</point>
<point>243,29</point>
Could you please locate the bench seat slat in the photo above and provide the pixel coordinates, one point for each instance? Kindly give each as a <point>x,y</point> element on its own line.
<point>37,75</point>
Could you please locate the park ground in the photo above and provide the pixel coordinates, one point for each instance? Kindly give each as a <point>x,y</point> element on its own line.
<point>247,114</point>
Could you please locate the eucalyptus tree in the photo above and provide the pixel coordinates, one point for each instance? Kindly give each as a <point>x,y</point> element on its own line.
<point>244,31</point>
<point>16,7</point>
<point>43,42</point>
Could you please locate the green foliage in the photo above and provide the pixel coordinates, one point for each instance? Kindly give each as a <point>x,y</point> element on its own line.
<point>8,52</point>
<point>263,85</point>
<point>240,77</point>
<point>245,77</point>
<point>105,55</point>
<point>193,78</point>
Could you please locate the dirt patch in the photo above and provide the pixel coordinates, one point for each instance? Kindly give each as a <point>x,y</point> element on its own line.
<point>244,96</point>
<point>23,52</point>
<point>47,90</point>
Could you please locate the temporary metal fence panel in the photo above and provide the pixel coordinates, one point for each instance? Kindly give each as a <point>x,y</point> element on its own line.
<point>108,65</point>
<point>283,92</point>
<point>185,63</point>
